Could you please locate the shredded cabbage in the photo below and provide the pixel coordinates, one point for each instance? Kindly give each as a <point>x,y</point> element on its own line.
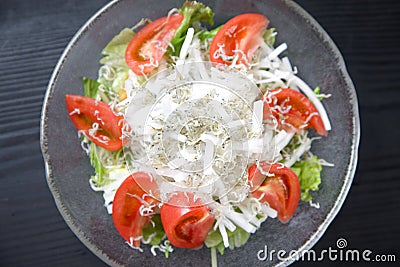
<point>309,172</point>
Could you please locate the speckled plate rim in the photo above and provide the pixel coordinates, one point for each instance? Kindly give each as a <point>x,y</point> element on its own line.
<point>350,172</point>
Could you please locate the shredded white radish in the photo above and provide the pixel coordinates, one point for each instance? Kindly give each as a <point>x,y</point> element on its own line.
<point>185,46</point>
<point>224,234</point>
<point>298,152</point>
<point>258,114</point>
<point>277,51</point>
<point>282,139</point>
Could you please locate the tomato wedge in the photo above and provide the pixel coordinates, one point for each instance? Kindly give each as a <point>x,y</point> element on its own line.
<point>240,36</point>
<point>281,191</point>
<point>186,221</point>
<point>131,199</point>
<point>97,121</point>
<point>148,46</point>
<point>293,111</point>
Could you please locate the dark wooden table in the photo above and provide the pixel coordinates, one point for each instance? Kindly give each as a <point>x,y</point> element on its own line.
<point>33,36</point>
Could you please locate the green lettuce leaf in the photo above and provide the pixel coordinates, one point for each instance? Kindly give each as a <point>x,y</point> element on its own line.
<point>90,87</point>
<point>236,239</point>
<point>157,229</point>
<point>309,173</point>
<point>98,156</point>
<point>317,91</point>
<point>114,58</point>
<point>192,11</point>
<point>114,52</point>
<point>205,35</point>
<point>119,81</point>
<point>95,160</point>
<point>269,37</point>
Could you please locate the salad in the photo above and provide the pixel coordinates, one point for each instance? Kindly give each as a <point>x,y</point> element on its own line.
<point>198,135</point>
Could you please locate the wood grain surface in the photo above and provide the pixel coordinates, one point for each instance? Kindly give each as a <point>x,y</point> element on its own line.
<point>33,36</point>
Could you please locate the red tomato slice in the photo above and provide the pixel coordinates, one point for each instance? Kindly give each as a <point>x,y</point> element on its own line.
<point>242,33</point>
<point>298,113</point>
<point>148,46</point>
<point>128,200</point>
<point>186,221</point>
<point>281,191</point>
<point>86,112</point>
